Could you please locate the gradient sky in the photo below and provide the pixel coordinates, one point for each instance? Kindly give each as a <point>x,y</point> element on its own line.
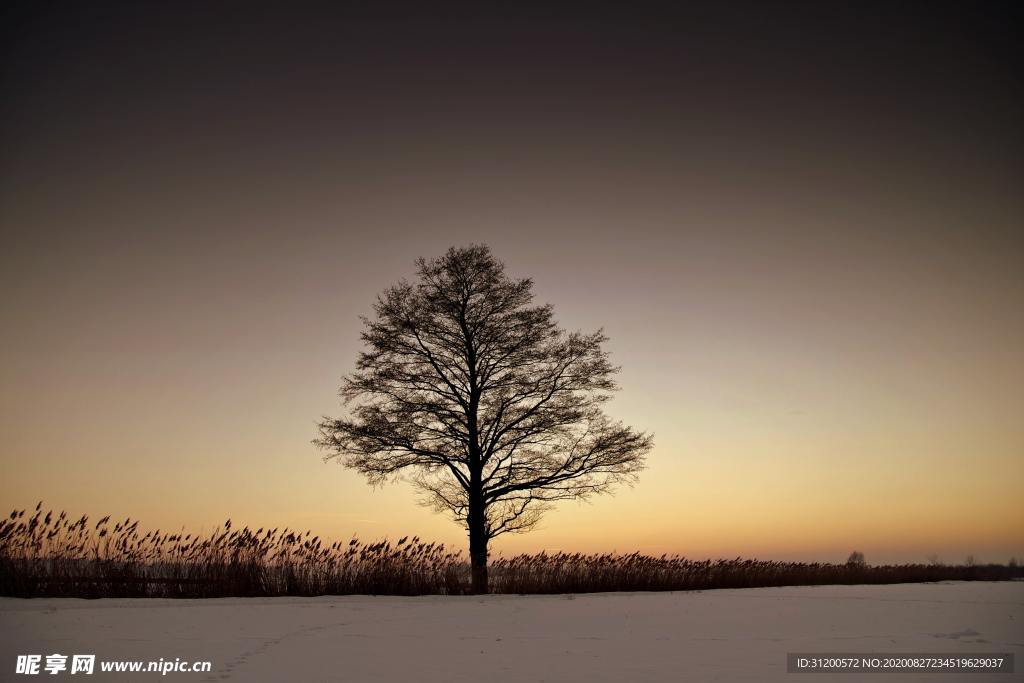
<point>801,228</point>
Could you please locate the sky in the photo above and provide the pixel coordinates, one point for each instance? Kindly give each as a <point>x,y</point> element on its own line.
<point>800,226</point>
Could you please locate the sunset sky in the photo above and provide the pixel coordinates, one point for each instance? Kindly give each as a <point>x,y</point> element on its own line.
<point>802,229</point>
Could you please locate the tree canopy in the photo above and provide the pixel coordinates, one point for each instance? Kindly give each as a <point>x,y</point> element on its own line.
<point>480,398</point>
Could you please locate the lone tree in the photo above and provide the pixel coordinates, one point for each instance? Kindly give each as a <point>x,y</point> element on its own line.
<point>478,396</point>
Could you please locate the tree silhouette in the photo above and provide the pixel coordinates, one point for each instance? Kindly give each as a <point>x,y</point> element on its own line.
<point>490,408</point>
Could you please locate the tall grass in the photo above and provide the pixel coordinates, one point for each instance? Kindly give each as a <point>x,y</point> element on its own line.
<point>579,573</point>
<point>47,554</point>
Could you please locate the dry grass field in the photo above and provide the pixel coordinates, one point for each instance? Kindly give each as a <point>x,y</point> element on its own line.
<point>47,554</point>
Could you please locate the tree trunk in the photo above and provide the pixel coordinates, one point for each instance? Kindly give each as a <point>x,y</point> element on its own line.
<point>478,545</point>
<point>478,558</point>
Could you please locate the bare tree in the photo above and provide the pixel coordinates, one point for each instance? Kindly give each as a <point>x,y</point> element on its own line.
<point>479,397</point>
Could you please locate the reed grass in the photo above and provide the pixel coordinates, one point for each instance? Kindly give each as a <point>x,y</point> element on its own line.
<point>47,554</point>
<point>44,554</point>
<point>580,573</point>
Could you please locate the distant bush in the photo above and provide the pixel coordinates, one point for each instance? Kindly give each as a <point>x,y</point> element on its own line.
<point>49,555</point>
<point>856,558</point>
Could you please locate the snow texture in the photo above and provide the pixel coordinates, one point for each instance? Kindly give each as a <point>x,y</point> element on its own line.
<point>722,635</point>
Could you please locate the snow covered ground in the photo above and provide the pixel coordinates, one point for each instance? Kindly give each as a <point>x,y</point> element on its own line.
<point>725,635</point>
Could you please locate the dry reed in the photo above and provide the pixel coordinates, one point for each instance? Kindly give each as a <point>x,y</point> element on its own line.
<point>53,555</point>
